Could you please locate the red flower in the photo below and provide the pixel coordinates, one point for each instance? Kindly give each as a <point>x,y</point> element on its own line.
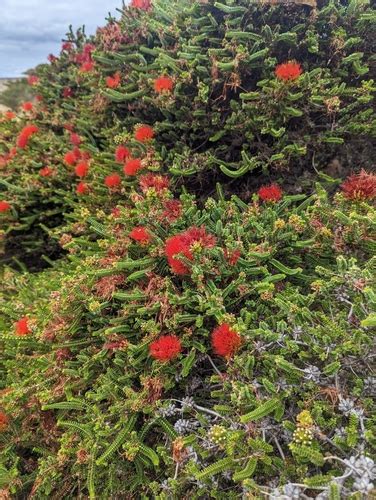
<point>25,135</point>
<point>52,58</point>
<point>132,166</point>
<point>81,188</point>
<point>113,81</point>
<point>4,206</point>
<point>4,421</point>
<point>172,210</point>
<point>22,327</point>
<point>225,342</point>
<point>87,66</point>
<point>32,79</point>
<point>121,154</point>
<point>115,212</point>
<point>144,133</point>
<point>140,234</point>
<point>9,115</point>
<point>46,172</point>
<point>232,257</point>
<point>154,181</point>
<point>360,186</point>
<point>39,98</point>
<point>163,84</point>
<point>75,139</point>
<point>27,106</point>
<point>70,158</point>
<point>141,4</point>
<point>67,92</point>
<point>181,244</point>
<point>112,180</point>
<point>82,169</point>
<point>288,71</point>
<point>270,193</point>
<point>165,348</point>
<point>68,46</point>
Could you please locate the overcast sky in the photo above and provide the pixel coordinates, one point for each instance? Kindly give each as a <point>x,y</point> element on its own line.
<point>32,29</point>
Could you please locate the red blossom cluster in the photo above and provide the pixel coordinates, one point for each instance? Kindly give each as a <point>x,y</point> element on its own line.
<point>144,133</point>
<point>181,245</point>
<point>25,135</point>
<point>113,82</point>
<point>163,84</point>
<point>22,327</point>
<point>140,234</point>
<point>27,106</point>
<point>172,210</point>
<point>82,188</point>
<point>32,79</point>
<point>288,71</point>
<point>82,169</point>
<point>271,193</point>
<point>154,181</point>
<point>132,166</point>
<point>113,180</point>
<point>225,341</point>
<point>46,172</point>
<point>361,186</point>
<point>4,421</point>
<point>141,4</point>
<point>85,59</point>
<point>4,206</point>
<point>4,159</point>
<point>121,154</point>
<point>165,348</point>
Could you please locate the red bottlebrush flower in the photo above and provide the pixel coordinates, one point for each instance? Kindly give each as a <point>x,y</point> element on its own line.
<point>154,181</point>
<point>165,348</point>
<point>27,106</point>
<point>140,234</point>
<point>67,92</point>
<point>132,166</point>
<point>172,210</point>
<point>46,172</point>
<point>22,327</point>
<point>68,126</point>
<point>115,212</point>
<point>25,135</point>
<point>288,71</point>
<point>181,244</point>
<point>141,4</point>
<point>75,139</point>
<point>163,84</point>
<point>113,81</point>
<point>112,180</point>
<point>225,342</point>
<point>144,133</point>
<point>70,158</point>
<point>87,66</point>
<point>9,115</point>
<point>4,421</point>
<point>232,257</point>
<point>82,169</point>
<point>39,98</point>
<point>51,58</point>
<point>32,79</point>
<point>121,154</point>
<point>4,206</point>
<point>270,193</point>
<point>67,46</point>
<point>82,188</point>
<point>360,186</point>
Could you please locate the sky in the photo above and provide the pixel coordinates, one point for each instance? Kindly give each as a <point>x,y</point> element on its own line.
<point>32,29</point>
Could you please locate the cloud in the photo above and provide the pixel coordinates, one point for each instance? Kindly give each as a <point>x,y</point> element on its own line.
<point>31,29</point>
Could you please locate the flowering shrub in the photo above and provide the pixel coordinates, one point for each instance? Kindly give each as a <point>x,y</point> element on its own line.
<point>188,337</point>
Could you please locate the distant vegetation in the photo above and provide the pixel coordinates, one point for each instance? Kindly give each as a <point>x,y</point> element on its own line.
<point>15,92</point>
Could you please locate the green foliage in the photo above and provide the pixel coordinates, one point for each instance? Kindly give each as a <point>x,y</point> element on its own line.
<point>86,407</point>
